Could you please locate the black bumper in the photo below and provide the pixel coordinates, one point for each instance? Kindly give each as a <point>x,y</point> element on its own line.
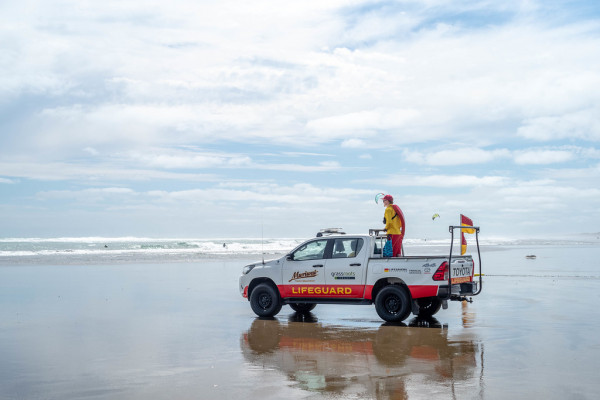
<point>460,289</point>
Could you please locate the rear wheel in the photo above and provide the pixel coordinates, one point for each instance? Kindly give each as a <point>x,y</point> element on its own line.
<point>265,301</point>
<point>393,303</point>
<point>429,306</point>
<point>302,307</point>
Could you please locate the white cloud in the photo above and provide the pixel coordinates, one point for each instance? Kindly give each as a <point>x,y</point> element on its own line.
<point>63,171</point>
<point>198,159</point>
<point>457,156</point>
<point>323,166</point>
<point>531,156</point>
<point>583,124</point>
<point>542,156</point>
<point>442,181</point>
<point>215,72</point>
<point>94,195</point>
<point>230,192</point>
<point>354,143</point>
<point>300,154</point>
<point>364,123</point>
<point>173,159</point>
<point>91,151</point>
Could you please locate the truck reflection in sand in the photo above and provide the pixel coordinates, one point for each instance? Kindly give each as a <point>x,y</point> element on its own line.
<point>391,361</point>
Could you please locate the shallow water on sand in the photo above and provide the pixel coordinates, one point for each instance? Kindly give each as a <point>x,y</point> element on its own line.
<point>182,330</point>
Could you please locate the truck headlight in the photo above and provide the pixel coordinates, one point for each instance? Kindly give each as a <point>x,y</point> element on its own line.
<point>248,268</point>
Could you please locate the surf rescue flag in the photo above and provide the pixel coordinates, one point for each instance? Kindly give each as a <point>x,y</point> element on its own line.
<point>465,221</point>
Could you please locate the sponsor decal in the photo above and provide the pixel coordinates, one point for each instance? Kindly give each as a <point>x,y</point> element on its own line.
<point>427,270</point>
<point>322,290</point>
<point>395,270</point>
<point>415,271</point>
<point>343,275</point>
<point>303,275</point>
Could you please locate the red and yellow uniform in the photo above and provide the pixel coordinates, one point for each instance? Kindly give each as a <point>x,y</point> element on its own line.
<point>394,225</point>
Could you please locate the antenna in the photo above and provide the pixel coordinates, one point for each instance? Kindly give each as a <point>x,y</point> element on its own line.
<point>262,247</point>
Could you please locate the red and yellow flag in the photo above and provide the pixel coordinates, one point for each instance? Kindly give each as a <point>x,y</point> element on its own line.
<point>465,221</point>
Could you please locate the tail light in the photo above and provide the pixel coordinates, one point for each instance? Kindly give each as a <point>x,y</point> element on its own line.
<point>442,272</point>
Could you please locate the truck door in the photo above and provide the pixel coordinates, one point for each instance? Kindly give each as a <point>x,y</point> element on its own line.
<point>304,269</point>
<point>345,269</point>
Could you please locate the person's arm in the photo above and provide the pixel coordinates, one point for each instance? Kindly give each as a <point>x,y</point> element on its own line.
<point>389,213</point>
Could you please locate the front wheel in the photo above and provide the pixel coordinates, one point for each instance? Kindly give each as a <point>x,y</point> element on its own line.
<point>265,301</point>
<point>393,303</point>
<point>428,306</point>
<point>302,307</point>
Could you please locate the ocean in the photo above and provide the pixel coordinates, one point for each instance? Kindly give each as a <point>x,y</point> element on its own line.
<point>93,250</point>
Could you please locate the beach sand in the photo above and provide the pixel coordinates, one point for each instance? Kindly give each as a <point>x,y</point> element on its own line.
<point>182,331</point>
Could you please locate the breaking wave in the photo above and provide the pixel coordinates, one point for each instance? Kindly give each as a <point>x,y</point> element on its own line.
<point>136,249</point>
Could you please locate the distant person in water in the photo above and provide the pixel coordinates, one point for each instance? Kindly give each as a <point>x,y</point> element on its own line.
<point>394,224</point>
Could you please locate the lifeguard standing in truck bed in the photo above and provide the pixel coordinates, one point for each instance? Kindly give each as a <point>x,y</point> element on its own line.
<point>394,224</point>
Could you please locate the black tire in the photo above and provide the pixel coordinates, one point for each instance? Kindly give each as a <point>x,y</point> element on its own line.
<point>429,306</point>
<point>302,307</point>
<point>265,301</point>
<point>393,303</point>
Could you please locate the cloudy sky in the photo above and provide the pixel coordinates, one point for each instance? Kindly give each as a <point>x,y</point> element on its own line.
<point>228,118</point>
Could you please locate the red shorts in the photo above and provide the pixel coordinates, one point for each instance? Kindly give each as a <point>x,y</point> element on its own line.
<point>397,245</point>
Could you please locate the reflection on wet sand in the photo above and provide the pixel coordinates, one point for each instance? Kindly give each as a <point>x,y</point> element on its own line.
<point>468,318</point>
<point>390,362</point>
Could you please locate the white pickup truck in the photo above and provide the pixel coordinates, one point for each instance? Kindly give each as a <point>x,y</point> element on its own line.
<point>350,269</point>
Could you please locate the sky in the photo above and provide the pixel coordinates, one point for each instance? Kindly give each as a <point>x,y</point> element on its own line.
<point>277,119</point>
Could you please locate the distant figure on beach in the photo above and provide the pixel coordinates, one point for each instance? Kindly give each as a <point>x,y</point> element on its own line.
<point>106,246</point>
<point>224,246</point>
<point>394,224</point>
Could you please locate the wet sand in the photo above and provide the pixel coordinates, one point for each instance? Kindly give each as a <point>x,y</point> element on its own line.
<point>182,331</point>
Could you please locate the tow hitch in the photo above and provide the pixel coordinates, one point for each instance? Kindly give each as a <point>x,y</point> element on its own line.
<point>461,298</point>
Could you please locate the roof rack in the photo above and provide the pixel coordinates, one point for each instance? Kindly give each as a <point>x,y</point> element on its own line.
<point>377,232</point>
<point>330,231</point>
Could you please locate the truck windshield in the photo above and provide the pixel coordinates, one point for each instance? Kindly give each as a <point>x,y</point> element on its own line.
<point>311,251</point>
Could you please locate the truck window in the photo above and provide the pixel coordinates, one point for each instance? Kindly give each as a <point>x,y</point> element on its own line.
<point>346,248</point>
<point>311,251</point>
<point>376,248</point>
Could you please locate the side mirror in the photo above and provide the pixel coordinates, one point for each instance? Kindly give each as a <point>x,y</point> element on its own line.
<point>289,257</point>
